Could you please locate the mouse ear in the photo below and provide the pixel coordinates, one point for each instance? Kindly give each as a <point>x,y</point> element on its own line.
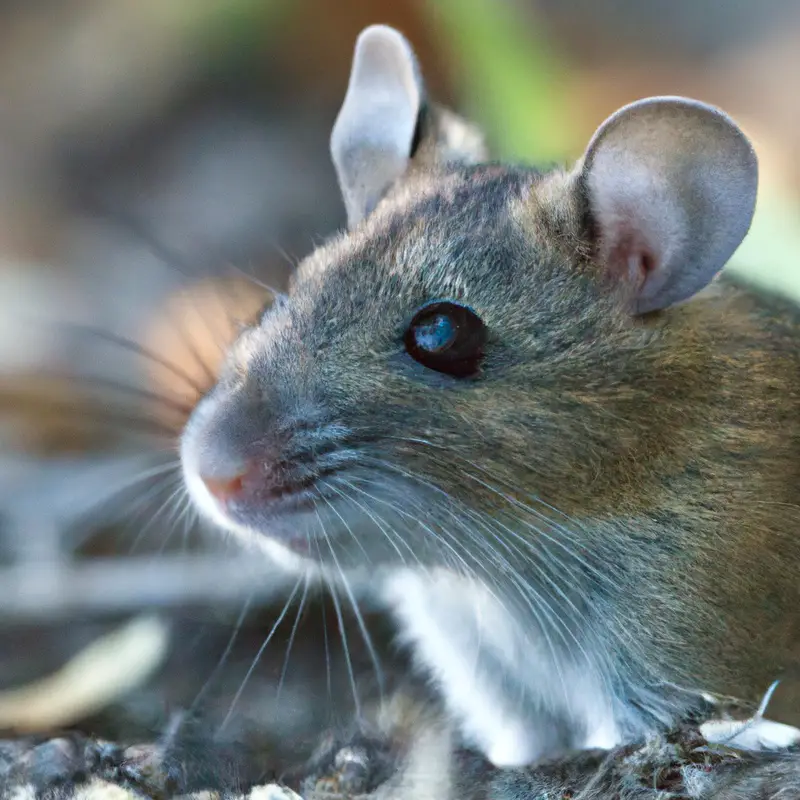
<point>373,137</point>
<point>671,187</point>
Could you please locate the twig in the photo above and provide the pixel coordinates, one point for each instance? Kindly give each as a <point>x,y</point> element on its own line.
<point>44,591</point>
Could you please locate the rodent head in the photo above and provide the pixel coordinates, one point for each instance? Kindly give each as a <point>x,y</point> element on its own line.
<point>483,338</point>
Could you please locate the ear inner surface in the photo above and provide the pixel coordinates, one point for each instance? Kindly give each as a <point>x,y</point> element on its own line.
<point>671,185</point>
<point>373,135</point>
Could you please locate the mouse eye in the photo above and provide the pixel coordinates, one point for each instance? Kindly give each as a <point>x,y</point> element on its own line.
<point>447,337</point>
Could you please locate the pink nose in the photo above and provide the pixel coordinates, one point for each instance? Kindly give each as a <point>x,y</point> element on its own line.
<point>224,489</point>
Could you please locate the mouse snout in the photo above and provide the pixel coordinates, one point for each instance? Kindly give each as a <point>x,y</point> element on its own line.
<point>225,488</point>
<point>233,455</point>
<point>250,479</point>
<point>254,480</point>
<point>222,467</point>
<point>246,462</point>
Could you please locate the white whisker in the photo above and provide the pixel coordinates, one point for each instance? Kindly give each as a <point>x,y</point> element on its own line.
<point>342,633</point>
<point>257,658</point>
<point>292,635</point>
<point>223,658</point>
<point>377,520</point>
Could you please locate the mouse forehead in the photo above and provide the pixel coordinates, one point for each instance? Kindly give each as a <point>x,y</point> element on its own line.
<point>456,238</point>
<point>473,238</point>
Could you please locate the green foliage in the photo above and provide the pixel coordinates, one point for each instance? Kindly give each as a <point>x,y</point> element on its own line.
<point>509,80</point>
<point>228,33</point>
<point>508,76</point>
<point>770,255</point>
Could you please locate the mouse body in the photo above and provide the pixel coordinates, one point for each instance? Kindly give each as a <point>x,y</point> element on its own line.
<point>526,411</point>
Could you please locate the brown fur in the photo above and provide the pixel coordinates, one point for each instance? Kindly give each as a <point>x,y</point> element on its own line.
<point>640,471</point>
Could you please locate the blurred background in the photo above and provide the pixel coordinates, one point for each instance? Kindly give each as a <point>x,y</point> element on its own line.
<point>157,158</point>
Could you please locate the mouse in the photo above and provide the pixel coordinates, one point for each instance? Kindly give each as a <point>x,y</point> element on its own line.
<point>528,412</point>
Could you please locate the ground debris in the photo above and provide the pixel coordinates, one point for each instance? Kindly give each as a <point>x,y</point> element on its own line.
<point>404,753</point>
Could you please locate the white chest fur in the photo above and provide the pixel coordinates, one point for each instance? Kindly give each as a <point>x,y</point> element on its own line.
<point>518,695</point>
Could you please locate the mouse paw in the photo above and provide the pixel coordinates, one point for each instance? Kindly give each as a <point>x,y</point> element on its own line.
<point>350,774</point>
<point>347,768</point>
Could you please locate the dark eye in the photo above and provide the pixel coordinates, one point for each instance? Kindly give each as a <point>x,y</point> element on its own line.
<point>447,337</point>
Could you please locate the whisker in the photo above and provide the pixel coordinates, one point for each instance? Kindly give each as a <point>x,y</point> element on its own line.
<point>536,603</point>
<point>193,516</point>
<point>524,587</point>
<point>134,227</point>
<point>422,525</point>
<point>362,627</point>
<point>347,528</point>
<point>83,409</point>
<point>292,635</point>
<point>135,391</point>
<point>170,506</point>
<point>128,223</point>
<point>141,350</point>
<point>450,543</point>
<point>277,294</point>
<point>376,518</point>
<point>505,496</point>
<point>178,511</point>
<point>188,341</point>
<point>109,507</point>
<point>200,696</point>
<point>342,633</point>
<point>155,515</point>
<point>513,501</point>
<point>527,508</point>
<point>326,645</point>
<point>257,658</point>
<point>532,600</point>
